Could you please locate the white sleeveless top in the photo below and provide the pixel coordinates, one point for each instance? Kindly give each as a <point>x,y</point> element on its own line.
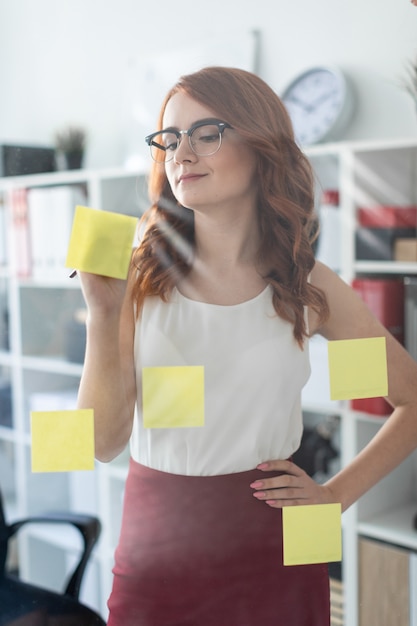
<point>254,372</point>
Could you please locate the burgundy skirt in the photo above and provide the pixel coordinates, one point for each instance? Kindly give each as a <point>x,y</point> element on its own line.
<point>202,551</point>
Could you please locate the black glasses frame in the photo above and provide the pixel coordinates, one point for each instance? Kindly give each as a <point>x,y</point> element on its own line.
<point>178,133</point>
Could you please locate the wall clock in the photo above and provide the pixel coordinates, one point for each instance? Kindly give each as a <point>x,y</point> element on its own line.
<point>320,102</point>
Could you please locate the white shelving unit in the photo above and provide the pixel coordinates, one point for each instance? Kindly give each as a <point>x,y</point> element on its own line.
<point>369,174</point>
<point>39,370</point>
<point>34,365</point>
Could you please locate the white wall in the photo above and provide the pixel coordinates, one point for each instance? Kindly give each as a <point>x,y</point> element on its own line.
<point>70,61</point>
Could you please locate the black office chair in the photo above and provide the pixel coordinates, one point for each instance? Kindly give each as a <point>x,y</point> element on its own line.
<point>23,604</point>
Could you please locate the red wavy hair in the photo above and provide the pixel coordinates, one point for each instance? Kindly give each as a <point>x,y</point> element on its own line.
<point>285,198</point>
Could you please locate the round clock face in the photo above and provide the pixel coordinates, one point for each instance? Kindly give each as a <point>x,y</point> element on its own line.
<point>319,103</point>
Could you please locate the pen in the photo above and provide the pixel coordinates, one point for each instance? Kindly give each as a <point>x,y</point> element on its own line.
<point>73,274</point>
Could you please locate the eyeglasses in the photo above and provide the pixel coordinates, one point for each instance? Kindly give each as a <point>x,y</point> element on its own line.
<point>204,138</point>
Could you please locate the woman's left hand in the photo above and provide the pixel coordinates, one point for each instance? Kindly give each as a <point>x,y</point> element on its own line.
<point>292,487</point>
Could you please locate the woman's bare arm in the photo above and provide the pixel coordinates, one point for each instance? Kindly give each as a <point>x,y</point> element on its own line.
<point>396,439</point>
<point>108,380</point>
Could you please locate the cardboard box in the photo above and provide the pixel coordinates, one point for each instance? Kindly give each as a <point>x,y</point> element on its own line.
<point>405,249</point>
<point>385,584</point>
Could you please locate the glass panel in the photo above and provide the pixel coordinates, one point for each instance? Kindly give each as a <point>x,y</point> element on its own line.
<point>53,323</point>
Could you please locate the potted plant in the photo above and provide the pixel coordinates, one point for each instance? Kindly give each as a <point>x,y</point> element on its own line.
<point>70,145</point>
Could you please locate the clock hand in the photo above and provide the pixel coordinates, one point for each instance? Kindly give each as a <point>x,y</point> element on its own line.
<point>299,102</point>
<point>321,99</point>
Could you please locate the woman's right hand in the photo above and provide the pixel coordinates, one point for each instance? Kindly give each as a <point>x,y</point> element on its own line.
<point>103,295</point>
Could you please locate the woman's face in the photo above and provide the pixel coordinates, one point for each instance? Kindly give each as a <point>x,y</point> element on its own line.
<point>224,180</point>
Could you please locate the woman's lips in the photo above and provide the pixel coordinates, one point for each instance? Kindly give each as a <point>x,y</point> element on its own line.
<point>185,178</point>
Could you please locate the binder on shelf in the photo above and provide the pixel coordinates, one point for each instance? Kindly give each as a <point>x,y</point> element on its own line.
<point>20,245</point>
<point>40,230</point>
<point>51,211</point>
<point>385,298</point>
<point>63,201</point>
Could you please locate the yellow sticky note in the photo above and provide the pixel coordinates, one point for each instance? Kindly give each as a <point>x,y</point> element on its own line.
<point>173,397</point>
<point>358,368</point>
<point>101,242</point>
<point>312,533</point>
<point>62,441</point>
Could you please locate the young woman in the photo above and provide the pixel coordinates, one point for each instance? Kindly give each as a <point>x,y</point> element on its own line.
<point>225,278</point>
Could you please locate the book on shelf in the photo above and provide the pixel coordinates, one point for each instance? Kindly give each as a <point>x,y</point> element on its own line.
<point>385,298</point>
<point>41,228</point>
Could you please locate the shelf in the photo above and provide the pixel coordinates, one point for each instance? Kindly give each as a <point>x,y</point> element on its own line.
<point>385,267</point>
<point>394,526</point>
<point>48,283</point>
<point>45,179</point>
<point>54,366</point>
<point>374,420</point>
<point>66,177</point>
<point>323,409</point>
<point>377,145</point>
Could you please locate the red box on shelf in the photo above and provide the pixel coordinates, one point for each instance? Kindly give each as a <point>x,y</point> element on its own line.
<point>385,298</point>
<point>388,216</point>
<point>379,227</point>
